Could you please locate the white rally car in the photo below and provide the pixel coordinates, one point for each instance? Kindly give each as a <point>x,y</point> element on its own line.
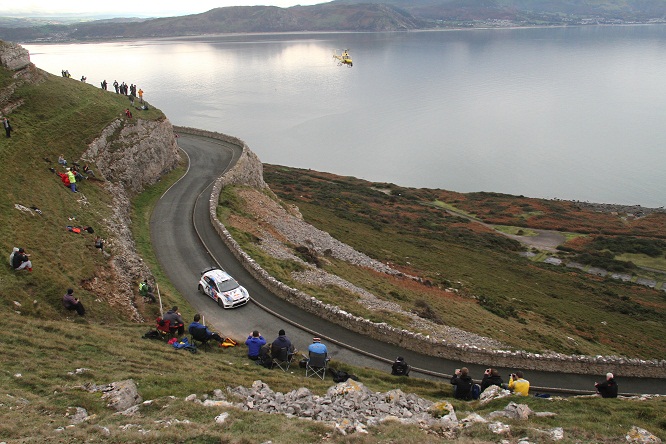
<point>224,289</point>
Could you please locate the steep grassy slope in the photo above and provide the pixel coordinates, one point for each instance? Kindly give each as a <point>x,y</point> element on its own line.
<point>58,116</point>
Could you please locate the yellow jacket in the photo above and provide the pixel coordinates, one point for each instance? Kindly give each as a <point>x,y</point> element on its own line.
<point>519,386</point>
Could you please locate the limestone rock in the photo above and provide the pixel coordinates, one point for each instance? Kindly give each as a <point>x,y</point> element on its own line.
<point>77,415</point>
<point>499,428</point>
<point>639,435</point>
<point>122,395</point>
<point>221,418</point>
<point>13,56</point>
<point>491,393</point>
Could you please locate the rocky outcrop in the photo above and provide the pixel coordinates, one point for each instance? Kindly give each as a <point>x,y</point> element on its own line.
<point>13,57</point>
<point>130,156</point>
<point>134,153</point>
<point>120,395</point>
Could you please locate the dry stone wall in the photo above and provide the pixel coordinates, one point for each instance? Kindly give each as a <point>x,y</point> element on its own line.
<point>554,362</point>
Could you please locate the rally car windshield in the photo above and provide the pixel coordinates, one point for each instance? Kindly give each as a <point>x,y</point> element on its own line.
<point>227,285</point>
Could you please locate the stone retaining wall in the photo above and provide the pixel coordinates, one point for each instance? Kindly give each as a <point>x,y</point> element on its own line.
<point>242,174</point>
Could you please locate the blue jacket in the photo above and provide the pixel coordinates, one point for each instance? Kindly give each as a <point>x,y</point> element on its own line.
<point>317,347</point>
<point>198,325</point>
<point>254,345</point>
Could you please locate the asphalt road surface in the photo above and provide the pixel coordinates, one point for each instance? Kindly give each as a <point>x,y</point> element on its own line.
<point>186,243</point>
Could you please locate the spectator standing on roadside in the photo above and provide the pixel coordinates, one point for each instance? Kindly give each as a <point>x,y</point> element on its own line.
<point>254,343</point>
<point>608,388</point>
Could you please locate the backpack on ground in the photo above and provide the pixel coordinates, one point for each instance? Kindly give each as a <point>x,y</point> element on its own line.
<point>475,391</point>
<point>152,334</point>
<point>341,376</point>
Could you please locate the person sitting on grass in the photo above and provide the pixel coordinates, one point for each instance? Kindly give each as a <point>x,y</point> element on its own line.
<point>462,384</point>
<point>400,367</point>
<point>146,291</point>
<point>197,325</point>
<point>72,303</point>
<point>608,388</point>
<point>20,260</point>
<point>519,385</point>
<point>254,343</point>
<point>175,321</point>
<point>491,377</point>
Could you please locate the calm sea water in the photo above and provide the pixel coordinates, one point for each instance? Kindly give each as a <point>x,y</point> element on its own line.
<point>570,113</point>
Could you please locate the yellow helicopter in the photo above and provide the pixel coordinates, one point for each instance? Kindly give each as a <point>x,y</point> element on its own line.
<point>344,58</point>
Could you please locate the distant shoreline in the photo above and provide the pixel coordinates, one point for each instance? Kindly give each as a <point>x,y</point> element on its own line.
<point>265,33</point>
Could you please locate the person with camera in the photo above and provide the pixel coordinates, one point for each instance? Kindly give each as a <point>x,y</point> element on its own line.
<point>608,388</point>
<point>400,367</point>
<point>462,384</point>
<point>491,377</point>
<point>519,385</point>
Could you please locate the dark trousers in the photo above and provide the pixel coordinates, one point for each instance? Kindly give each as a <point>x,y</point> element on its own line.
<point>79,308</point>
<point>180,329</point>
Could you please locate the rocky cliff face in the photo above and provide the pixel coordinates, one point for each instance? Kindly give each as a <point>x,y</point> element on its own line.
<point>134,154</point>
<point>130,156</point>
<point>13,57</point>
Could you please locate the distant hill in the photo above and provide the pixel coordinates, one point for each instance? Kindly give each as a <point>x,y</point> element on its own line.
<point>350,15</point>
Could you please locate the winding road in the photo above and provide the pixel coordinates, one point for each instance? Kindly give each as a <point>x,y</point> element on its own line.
<point>185,243</point>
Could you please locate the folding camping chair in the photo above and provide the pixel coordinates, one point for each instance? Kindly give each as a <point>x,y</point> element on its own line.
<point>282,358</point>
<point>316,365</point>
<point>164,329</point>
<point>201,336</point>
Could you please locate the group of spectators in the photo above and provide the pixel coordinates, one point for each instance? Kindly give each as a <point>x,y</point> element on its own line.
<point>259,350</point>
<point>464,385</point>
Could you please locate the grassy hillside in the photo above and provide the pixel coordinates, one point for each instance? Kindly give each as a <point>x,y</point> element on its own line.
<point>524,304</point>
<point>57,116</point>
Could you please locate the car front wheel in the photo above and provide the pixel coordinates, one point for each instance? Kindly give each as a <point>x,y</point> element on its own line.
<point>201,290</point>
<point>219,301</point>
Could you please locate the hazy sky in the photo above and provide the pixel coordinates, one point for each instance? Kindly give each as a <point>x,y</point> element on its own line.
<point>152,8</point>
